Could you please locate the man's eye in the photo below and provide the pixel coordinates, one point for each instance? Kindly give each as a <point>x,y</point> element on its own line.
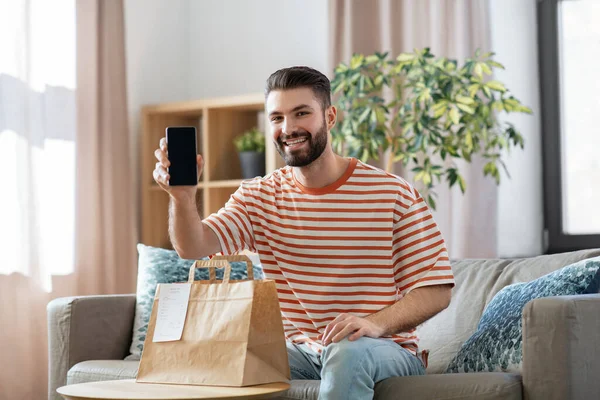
<point>302,113</point>
<point>275,119</point>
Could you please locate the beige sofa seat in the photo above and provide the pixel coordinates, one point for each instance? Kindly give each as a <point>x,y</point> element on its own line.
<point>479,386</point>
<point>102,370</point>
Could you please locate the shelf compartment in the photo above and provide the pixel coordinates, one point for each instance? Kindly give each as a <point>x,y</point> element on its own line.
<point>221,158</point>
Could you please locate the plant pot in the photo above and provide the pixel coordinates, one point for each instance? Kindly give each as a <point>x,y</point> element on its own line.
<point>252,164</point>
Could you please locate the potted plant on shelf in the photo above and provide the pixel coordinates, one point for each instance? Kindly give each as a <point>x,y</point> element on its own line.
<point>426,112</point>
<point>251,149</point>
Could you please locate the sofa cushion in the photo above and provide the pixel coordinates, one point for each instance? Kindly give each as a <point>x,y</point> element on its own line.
<point>302,389</point>
<point>480,386</point>
<point>102,370</point>
<point>156,265</point>
<point>497,343</point>
<point>477,282</point>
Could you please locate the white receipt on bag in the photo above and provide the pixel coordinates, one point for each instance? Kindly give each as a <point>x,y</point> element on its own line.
<point>172,308</point>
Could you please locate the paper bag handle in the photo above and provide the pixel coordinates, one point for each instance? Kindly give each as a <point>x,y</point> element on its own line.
<point>212,266</point>
<point>238,257</point>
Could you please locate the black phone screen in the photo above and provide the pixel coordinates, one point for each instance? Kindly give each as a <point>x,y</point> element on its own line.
<point>181,148</point>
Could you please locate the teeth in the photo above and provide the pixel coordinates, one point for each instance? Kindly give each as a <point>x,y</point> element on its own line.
<point>292,142</point>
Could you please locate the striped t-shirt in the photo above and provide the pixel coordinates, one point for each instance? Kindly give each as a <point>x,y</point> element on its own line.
<point>355,246</point>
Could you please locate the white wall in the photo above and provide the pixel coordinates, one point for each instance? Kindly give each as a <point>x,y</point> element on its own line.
<point>157,43</point>
<point>520,202</point>
<point>259,37</point>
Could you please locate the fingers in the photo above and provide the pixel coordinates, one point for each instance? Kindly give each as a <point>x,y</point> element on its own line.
<point>160,173</point>
<point>336,331</point>
<point>358,334</point>
<point>330,326</point>
<point>200,162</point>
<point>161,156</point>
<point>345,331</point>
<point>161,176</point>
<point>335,327</point>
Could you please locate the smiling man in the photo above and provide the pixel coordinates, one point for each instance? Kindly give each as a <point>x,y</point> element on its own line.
<point>358,260</point>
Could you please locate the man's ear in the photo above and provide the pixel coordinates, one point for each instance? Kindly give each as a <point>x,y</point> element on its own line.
<point>331,117</point>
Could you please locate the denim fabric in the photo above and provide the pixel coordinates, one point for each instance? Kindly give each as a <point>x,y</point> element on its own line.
<point>349,370</point>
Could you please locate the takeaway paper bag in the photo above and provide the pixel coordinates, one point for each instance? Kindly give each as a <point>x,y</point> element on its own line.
<point>232,334</point>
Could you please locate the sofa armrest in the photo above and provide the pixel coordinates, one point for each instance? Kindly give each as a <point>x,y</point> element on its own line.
<point>86,328</point>
<point>561,348</point>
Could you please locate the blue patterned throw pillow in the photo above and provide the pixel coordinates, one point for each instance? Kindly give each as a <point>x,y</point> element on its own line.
<point>496,346</point>
<point>156,265</point>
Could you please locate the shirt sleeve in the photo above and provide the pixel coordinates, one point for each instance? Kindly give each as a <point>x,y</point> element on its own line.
<point>419,252</point>
<point>232,225</point>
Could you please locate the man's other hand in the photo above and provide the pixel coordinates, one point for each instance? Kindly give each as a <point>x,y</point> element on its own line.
<point>349,325</point>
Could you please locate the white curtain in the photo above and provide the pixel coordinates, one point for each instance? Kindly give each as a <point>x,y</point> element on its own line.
<point>66,207</point>
<point>37,184</point>
<point>37,138</point>
<point>451,28</point>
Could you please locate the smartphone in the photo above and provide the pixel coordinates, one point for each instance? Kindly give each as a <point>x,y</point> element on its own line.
<point>181,149</point>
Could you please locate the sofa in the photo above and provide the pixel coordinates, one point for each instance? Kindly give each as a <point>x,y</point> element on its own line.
<point>89,337</point>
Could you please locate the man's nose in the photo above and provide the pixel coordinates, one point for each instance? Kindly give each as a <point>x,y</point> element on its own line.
<point>288,127</point>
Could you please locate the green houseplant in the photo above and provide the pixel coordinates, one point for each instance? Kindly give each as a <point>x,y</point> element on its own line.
<point>436,111</point>
<point>251,150</point>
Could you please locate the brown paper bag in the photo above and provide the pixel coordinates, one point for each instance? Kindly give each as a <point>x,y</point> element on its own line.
<point>233,334</point>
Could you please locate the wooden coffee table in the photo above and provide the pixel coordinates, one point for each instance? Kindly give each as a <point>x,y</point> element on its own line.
<point>128,389</point>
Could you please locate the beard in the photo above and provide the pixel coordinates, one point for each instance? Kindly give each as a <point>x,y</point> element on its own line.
<point>315,146</point>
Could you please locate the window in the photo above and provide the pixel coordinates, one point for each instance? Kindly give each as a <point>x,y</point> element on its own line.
<point>569,52</point>
<point>37,138</point>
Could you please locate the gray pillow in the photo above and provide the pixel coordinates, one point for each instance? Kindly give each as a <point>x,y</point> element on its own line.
<point>156,265</point>
<point>497,343</point>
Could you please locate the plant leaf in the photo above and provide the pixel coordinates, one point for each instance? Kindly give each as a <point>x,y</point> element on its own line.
<point>469,141</point>
<point>478,70</point>
<point>495,64</point>
<point>431,202</point>
<point>364,116</point>
<point>405,57</point>
<point>497,86</point>
<point>473,89</point>
<point>467,109</point>
<point>465,100</point>
<point>356,61</point>
<point>461,183</point>
<point>486,69</point>
<point>372,59</point>
<point>454,117</point>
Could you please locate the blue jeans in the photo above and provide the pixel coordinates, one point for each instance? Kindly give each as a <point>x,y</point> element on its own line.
<point>349,370</point>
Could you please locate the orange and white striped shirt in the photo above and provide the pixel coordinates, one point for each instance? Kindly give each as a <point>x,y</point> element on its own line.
<point>355,246</point>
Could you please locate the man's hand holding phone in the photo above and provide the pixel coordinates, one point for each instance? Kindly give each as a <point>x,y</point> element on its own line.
<point>162,177</point>
<point>177,170</point>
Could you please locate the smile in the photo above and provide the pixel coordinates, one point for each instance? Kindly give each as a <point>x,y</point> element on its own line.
<point>294,141</point>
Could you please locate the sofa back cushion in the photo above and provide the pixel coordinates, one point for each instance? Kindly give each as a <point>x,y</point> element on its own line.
<point>497,344</point>
<point>477,282</point>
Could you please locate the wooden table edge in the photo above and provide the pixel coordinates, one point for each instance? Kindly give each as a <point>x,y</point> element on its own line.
<point>279,388</point>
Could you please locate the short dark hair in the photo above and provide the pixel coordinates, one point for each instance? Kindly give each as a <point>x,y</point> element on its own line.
<point>299,77</point>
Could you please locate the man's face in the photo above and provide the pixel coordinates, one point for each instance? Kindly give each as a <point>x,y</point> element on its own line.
<point>297,120</point>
